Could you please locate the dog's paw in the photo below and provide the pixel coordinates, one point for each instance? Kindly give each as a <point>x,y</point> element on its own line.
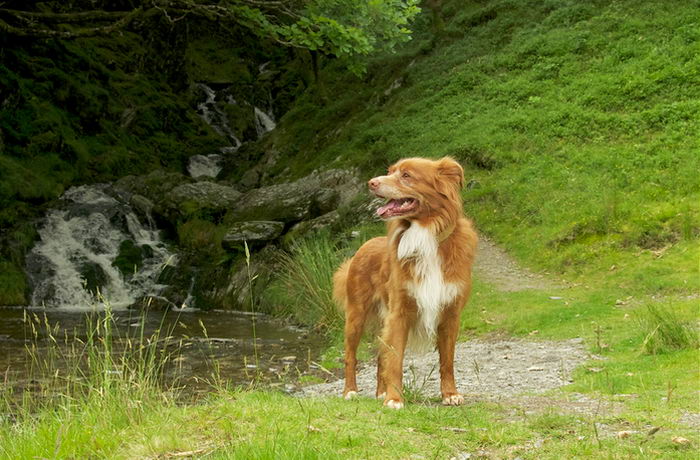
<point>381,395</point>
<point>453,400</point>
<point>393,404</point>
<point>350,395</point>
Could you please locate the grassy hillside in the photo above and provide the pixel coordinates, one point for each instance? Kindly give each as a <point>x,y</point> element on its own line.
<point>577,122</point>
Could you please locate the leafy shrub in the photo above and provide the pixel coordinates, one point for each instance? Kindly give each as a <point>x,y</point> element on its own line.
<point>305,284</point>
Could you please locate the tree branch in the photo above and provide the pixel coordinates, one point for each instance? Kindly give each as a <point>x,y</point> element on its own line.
<point>36,32</point>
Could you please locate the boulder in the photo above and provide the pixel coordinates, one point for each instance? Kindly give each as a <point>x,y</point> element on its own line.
<point>325,221</point>
<point>172,195</point>
<point>263,266</point>
<point>290,202</point>
<point>154,185</point>
<point>204,195</point>
<point>306,198</point>
<point>253,232</point>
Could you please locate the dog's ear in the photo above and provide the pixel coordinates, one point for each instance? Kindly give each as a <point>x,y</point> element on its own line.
<point>452,171</point>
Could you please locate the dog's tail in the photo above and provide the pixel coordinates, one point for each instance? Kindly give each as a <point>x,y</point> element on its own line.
<point>340,285</point>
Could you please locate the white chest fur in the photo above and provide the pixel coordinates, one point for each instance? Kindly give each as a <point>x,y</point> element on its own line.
<point>428,287</point>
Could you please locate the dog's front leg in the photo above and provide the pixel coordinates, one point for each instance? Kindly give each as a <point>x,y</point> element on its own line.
<point>393,345</point>
<point>448,330</point>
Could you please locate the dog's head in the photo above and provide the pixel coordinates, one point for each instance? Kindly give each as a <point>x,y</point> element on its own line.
<point>418,188</point>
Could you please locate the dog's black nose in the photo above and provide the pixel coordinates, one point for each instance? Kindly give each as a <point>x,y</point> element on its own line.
<point>373,183</point>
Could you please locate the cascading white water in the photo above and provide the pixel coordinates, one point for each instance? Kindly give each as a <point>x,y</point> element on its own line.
<point>84,236</point>
<point>263,122</point>
<point>215,117</point>
<point>204,165</point>
<point>211,113</point>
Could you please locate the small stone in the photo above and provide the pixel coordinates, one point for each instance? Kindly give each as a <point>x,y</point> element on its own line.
<point>462,456</point>
<point>680,440</point>
<point>555,297</point>
<point>624,434</point>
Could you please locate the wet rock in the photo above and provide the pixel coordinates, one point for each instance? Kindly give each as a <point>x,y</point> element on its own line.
<point>253,232</point>
<point>250,179</point>
<point>154,185</point>
<point>141,205</point>
<point>94,276</point>
<point>155,189</point>
<point>130,258</point>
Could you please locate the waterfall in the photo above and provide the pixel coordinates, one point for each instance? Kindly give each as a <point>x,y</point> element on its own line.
<point>263,122</point>
<point>211,113</point>
<point>214,116</point>
<point>204,165</point>
<point>81,243</point>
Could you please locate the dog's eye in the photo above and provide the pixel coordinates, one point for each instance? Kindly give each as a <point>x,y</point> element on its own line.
<point>405,175</point>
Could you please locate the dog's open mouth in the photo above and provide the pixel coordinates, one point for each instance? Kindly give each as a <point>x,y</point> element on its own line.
<point>397,207</point>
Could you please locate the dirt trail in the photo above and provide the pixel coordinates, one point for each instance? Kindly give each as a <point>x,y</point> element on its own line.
<point>495,266</point>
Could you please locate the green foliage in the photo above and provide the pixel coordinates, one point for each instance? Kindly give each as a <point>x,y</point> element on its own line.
<point>665,331</point>
<point>13,285</point>
<point>343,29</point>
<point>304,287</point>
<point>201,236</point>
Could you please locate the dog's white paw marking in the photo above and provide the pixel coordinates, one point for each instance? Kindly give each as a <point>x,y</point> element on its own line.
<point>394,404</point>
<point>350,394</point>
<point>454,400</point>
<point>381,395</point>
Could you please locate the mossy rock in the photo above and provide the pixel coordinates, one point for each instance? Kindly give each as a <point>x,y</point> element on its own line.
<point>253,233</point>
<point>193,197</point>
<point>130,257</point>
<point>94,276</point>
<point>306,227</point>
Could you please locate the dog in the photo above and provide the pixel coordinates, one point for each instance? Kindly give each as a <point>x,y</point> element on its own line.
<point>415,280</point>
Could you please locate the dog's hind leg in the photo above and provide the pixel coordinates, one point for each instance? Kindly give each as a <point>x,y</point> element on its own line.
<point>381,383</point>
<point>355,316</point>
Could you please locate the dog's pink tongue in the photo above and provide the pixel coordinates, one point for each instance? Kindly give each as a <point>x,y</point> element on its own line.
<point>386,208</point>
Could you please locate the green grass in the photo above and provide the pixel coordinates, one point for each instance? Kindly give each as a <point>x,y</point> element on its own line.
<point>303,288</point>
<point>270,425</point>
<point>666,332</point>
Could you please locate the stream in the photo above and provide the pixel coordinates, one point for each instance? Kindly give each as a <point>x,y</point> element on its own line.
<point>200,343</point>
<point>97,254</point>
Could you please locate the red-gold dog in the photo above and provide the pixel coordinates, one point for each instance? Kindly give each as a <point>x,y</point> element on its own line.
<point>414,281</point>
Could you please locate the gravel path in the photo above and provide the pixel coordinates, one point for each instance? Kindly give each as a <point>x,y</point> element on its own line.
<point>491,368</point>
<point>496,368</point>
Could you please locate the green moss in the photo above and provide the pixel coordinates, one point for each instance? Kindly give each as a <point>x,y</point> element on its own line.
<point>130,257</point>
<point>13,287</point>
